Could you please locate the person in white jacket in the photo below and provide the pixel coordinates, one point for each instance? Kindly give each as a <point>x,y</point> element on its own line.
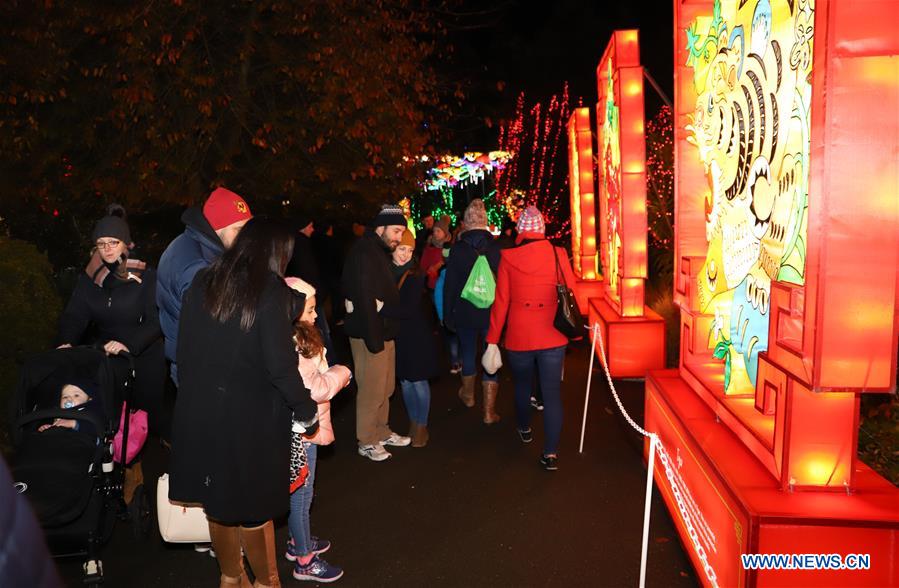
<point>323,382</point>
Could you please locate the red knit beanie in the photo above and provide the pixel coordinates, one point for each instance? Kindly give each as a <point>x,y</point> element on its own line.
<point>224,207</point>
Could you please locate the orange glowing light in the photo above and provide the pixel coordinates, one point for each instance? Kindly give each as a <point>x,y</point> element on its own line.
<point>580,163</point>
<point>621,151</point>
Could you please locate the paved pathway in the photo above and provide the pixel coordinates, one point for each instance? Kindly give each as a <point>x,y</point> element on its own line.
<point>471,509</point>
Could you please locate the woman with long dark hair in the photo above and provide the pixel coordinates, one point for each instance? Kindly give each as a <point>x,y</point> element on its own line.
<point>239,389</point>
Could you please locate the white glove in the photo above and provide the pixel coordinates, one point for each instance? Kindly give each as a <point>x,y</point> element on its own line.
<point>492,360</point>
<point>349,305</point>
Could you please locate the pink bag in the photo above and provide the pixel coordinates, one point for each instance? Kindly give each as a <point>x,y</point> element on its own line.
<point>137,434</point>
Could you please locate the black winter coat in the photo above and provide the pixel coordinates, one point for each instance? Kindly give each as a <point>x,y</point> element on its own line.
<point>416,349</point>
<point>231,429</point>
<point>464,252</point>
<point>367,277</point>
<point>123,311</point>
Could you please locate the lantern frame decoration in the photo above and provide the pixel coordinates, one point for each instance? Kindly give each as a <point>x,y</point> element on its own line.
<point>581,184</point>
<point>786,276</point>
<point>634,333</point>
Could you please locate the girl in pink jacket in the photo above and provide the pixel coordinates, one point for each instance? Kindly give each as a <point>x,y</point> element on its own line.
<point>323,382</point>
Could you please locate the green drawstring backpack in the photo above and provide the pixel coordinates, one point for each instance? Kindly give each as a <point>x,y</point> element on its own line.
<point>480,287</point>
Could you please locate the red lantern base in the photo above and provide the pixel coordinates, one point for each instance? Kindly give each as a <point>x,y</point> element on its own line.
<point>584,290</point>
<point>737,507</point>
<point>634,345</point>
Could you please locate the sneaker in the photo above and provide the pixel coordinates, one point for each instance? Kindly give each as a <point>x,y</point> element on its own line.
<point>526,436</point>
<point>456,368</point>
<point>317,570</point>
<point>396,440</point>
<point>205,548</point>
<point>374,452</point>
<point>550,463</point>
<point>318,546</point>
<point>536,403</point>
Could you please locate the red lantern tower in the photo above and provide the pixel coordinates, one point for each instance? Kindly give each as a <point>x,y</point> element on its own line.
<point>787,265</point>
<point>583,207</point>
<point>634,334</point>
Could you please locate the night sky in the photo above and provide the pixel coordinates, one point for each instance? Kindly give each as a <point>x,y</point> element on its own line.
<point>521,45</point>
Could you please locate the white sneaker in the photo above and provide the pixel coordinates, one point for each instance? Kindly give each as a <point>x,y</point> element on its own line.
<point>204,548</point>
<point>397,440</point>
<point>374,452</point>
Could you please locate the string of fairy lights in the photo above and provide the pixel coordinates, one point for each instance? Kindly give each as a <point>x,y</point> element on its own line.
<point>530,167</point>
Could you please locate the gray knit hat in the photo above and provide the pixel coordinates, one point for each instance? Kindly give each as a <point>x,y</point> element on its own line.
<point>475,215</point>
<point>390,214</point>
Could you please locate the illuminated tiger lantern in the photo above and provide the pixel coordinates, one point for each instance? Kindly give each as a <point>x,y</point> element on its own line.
<point>786,235</point>
<point>751,71</point>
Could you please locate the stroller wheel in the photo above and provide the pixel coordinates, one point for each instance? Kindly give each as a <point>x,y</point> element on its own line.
<point>93,572</point>
<point>139,513</point>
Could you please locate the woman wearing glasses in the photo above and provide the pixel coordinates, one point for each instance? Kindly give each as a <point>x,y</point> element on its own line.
<point>114,304</point>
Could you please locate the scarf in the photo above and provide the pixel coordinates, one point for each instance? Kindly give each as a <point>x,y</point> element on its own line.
<point>98,270</point>
<point>399,270</point>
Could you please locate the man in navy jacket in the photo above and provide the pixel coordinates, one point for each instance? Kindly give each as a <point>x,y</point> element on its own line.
<point>209,231</point>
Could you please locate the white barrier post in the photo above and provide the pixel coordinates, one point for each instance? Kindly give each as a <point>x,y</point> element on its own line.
<point>646,508</point>
<point>587,395</point>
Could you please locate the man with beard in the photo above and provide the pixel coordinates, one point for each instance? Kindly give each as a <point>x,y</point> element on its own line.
<point>370,296</point>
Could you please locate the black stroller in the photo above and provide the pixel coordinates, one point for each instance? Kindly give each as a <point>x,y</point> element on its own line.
<point>69,476</point>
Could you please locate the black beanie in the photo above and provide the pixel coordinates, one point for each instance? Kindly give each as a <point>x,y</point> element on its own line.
<point>112,226</point>
<point>390,214</point>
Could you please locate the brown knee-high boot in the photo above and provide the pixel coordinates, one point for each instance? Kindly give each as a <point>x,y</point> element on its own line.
<point>490,390</point>
<point>466,392</point>
<point>226,543</point>
<point>259,545</point>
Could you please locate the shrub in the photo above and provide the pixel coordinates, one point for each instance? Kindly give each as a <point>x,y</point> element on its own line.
<point>29,311</point>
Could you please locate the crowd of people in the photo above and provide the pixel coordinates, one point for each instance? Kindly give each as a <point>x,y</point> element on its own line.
<point>238,310</point>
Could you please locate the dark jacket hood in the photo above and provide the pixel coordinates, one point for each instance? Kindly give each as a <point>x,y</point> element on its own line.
<point>477,238</point>
<point>193,219</point>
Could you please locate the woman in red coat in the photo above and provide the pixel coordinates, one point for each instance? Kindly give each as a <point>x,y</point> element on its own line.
<point>525,306</point>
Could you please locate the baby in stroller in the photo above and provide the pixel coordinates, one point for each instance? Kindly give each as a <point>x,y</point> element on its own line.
<point>65,407</point>
<point>79,394</point>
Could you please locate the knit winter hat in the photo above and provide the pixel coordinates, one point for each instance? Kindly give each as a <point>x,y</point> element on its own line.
<point>390,215</point>
<point>224,208</point>
<point>444,224</point>
<point>112,226</point>
<point>475,215</point>
<point>302,287</point>
<point>408,239</point>
<point>531,221</point>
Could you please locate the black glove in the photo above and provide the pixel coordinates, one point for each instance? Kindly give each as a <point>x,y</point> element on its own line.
<point>310,427</point>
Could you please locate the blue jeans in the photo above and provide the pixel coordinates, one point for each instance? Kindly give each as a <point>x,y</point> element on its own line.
<point>469,343</point>
<point>300,503</point>
<point>417,396</point>
<point>548,363</point>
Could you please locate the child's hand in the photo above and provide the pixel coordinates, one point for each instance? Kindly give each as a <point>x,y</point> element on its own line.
<point>343,373</point>
<point>67,423</point>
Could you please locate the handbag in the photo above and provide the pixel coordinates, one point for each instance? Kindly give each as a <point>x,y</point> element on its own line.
<point>179,523</point>
<point>568,319</point>
<point>137,434</point>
